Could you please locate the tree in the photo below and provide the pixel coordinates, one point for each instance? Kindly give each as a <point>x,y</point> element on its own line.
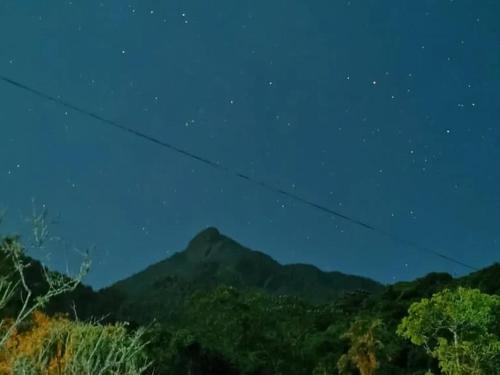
<point>365,347</point>
<point>258,333</point>
<point>458,328</point>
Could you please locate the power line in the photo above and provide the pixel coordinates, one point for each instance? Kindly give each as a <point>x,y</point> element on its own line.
<point>243,176</point>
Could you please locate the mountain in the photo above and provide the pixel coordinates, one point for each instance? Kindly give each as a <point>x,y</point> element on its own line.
<point>212,259</point>
<point>208,328</point>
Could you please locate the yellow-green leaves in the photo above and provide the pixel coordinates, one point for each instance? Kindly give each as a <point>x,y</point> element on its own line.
<point>57,346</point>
<point>458,328</point>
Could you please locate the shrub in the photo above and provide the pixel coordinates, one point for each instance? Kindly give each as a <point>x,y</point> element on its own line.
<point>57,346</point>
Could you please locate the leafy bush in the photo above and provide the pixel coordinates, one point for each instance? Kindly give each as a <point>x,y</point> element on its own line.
<point>459,328</point>
<point>57,346</point>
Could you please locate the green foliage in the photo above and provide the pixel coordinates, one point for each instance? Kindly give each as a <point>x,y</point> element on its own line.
<point>105,349</point>
<point>221,309</point>
<point>255,333</point>
<point>57,346</point>
<point>457,327</point>
<point>178,352</point>
<point>31,343</point>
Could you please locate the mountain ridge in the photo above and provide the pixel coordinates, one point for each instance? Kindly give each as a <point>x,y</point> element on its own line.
<point>210,245</point>
<point>212,259</point>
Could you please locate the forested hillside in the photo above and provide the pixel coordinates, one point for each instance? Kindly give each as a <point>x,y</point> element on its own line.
<point>210,316</point>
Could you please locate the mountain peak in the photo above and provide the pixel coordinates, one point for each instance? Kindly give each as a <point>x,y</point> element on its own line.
<point>212,259</point>
<point>208,235</point>
<point>201,245</point>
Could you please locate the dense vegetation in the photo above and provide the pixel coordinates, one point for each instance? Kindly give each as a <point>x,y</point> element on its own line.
<point>238,324</point>
<point>32,343</point>
<point>254,333</point>
<point>212,259</point>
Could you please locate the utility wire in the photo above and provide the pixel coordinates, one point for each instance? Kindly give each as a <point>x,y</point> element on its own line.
<point>243,176</point>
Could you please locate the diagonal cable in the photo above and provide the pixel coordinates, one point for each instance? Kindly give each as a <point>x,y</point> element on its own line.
<point>235,173</point>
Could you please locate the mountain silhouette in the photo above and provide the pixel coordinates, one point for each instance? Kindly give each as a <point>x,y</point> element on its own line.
<point>212,259</point>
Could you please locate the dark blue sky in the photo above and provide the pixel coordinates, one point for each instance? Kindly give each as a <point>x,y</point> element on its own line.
<point>383,110</point>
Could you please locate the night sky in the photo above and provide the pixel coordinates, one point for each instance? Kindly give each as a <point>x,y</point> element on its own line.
<point>387,111</point>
